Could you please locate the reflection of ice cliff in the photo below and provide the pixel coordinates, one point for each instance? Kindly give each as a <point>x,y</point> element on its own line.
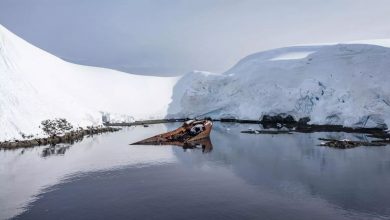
<point>293,163</point>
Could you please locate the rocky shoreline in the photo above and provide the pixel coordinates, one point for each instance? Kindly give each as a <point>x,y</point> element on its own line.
<point>286,125</point>
<point>347,144</point>
<point>273,122</point>
<point>268,122</point>
<point>68,137</point>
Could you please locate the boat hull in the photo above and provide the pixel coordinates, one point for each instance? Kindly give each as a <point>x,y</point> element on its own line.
<point>179,136</point>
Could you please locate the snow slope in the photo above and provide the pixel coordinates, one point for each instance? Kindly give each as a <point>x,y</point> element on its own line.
<point>35,85</point>
<point>345,84</point>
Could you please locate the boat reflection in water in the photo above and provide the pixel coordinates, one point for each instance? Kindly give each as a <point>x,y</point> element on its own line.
<point>192,134</point>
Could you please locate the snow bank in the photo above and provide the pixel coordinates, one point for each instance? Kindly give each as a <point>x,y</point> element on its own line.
<point>332,84</point>
<point>35,85</point>
<point>345,84</point>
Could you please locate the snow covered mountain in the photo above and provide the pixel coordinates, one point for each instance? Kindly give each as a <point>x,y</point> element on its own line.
<point>35,85</point>
<point>346,84</point>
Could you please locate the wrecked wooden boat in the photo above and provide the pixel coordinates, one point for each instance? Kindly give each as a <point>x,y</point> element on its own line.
<point>191,133</point>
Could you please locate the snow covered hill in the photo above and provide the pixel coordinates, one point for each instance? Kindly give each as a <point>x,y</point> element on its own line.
<point>347,84</point>
<point>35,85</point>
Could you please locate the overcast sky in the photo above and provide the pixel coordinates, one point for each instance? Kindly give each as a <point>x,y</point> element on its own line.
<point>170,37</point>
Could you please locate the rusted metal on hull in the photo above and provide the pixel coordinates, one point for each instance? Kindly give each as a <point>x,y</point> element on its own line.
<point>190,133</point>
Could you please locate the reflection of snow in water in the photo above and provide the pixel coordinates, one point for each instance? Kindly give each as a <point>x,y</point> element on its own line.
<point>294,166</point>
<point>24,173</point>
<point>271,171</point>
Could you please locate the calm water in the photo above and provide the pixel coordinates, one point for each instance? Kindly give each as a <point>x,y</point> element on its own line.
<point>244,177</point>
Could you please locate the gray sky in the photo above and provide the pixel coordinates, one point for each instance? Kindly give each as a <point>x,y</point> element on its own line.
<point>170,37</point>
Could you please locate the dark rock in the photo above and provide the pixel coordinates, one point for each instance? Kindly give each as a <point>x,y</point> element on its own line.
<point>289,119</point>
<point>43,141</point>
<point>34,143</point>
<point>69,137</point>
<point>281,118</point>
<point>347,144</point>
<point>303,121</point>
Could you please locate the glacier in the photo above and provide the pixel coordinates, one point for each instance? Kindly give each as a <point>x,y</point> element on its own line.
<point>342,84</point>
<point>339,83</point>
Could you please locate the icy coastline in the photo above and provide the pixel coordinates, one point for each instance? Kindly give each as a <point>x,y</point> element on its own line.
<point>337,84</point>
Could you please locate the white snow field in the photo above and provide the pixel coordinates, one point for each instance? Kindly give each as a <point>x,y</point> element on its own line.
<point>35,85</point>
<point>346,84</point>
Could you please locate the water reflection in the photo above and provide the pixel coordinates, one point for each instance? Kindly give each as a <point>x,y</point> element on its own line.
<point>25,173</point>
<point>294,165</point>
<point>204,144</point>
<point>55,150</point>
<point>242,177</point>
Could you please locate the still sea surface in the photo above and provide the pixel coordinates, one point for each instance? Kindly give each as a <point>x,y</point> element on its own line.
<point>243,176</point>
